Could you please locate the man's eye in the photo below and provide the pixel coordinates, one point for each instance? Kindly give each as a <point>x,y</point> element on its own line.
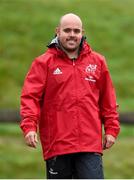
<point>76,31</point>
<point>67,30</point>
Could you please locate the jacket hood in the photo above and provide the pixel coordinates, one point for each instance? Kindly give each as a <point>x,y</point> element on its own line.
<point>54,44</point>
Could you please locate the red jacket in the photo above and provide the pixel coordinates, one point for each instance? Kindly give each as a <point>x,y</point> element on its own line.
<point>69,100</point>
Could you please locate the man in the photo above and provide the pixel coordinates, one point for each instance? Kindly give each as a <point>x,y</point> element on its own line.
<point>68,92</point>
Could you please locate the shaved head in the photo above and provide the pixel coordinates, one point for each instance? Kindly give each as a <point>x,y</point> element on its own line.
<point>70,17</point>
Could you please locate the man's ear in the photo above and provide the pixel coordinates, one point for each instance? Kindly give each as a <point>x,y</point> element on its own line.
<point>83,31</point>
<point>57,30</point>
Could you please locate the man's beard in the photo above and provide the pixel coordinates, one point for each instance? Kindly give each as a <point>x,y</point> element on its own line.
<point>70,50</point>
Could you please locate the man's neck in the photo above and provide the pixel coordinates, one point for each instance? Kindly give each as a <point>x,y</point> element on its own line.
<point>72,55</point>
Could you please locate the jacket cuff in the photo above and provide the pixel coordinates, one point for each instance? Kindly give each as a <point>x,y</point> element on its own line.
<point>113,132</point>
<point>28,130</point>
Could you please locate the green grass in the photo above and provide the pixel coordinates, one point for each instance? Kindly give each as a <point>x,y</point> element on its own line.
<point>27,26</point>
<point>118,162</point>
<point>19,161</point>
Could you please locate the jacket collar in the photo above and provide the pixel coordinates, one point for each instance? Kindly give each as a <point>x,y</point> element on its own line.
<point>54,44</point>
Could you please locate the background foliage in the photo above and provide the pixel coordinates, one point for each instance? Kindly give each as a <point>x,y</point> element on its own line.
<point>26,27</point>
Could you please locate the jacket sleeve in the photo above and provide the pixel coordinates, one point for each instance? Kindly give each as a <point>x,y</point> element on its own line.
<point>108,105</point>
<point>32,92</point>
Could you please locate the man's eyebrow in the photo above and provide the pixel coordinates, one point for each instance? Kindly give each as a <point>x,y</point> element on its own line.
<point>70,28</point>
<point>74,29</point>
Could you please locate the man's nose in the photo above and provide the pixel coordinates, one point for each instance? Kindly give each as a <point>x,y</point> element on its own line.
<point>72,33</point>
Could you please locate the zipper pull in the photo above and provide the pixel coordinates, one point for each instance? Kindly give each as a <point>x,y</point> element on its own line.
<point>73,61</point>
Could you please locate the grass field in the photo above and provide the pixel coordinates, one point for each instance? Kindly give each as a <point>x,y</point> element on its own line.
<point>19,161</point>
<point>27,26</point>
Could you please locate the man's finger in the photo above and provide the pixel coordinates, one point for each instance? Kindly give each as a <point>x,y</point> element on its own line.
<point>108,141</point>
<point>109,144</point>
<point>31,139</point>
<point>104,143</point>
<point>35,138</point>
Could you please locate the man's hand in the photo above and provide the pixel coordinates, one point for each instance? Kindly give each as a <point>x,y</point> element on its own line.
<point>31,139</point>
<point>109,140</point>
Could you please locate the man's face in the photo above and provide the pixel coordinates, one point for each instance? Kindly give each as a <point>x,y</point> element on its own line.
<point>69,34</point>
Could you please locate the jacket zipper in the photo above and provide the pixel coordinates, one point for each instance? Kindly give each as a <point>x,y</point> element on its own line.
<point>76,102</point>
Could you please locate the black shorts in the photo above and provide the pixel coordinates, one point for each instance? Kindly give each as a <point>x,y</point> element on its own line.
<point>75,166</point>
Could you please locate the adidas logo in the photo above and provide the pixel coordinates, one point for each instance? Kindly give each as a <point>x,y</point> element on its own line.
<point>57,71</point>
